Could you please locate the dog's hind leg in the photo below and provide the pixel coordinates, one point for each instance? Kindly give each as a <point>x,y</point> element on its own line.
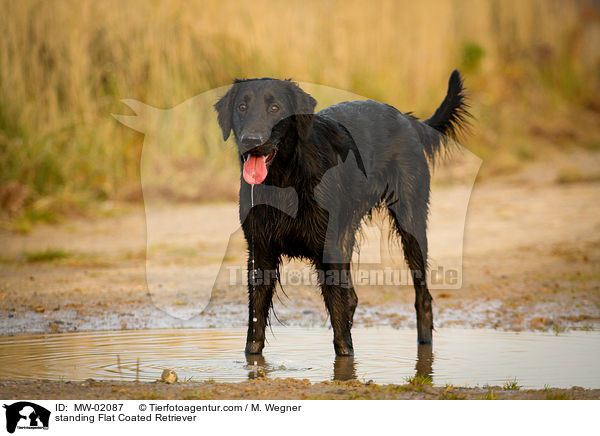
<point>340,300</point>
<point>262,277</point>
<point>412,229</point>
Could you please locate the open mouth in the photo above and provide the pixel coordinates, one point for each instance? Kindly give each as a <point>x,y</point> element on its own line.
<point>256,167</point>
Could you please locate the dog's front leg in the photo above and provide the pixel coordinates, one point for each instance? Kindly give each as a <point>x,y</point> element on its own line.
<point>262,276</point>
<point>340,300</point>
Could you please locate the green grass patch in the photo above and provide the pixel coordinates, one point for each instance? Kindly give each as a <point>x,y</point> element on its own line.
<point>489,395</point>
<point>572,175</point>
<point>512,385</point>
<point>47,255</point>
<point>148,396</point>
<point>418,380</point>
<point>198,395</point>
<point>558,396</point>
<point>557,328</point>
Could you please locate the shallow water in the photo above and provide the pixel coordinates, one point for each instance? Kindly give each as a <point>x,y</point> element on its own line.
<point>385,355</point>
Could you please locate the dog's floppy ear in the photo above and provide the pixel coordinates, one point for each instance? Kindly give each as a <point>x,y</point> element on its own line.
<point>224,108</point>
<point>304,109</point>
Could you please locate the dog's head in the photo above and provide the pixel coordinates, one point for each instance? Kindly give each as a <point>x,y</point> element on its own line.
<point>261,112</point>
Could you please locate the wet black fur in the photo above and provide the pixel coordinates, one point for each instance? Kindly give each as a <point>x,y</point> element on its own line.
<point>391,152</point>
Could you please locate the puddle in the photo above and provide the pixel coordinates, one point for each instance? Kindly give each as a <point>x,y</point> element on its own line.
<point>385,355</point>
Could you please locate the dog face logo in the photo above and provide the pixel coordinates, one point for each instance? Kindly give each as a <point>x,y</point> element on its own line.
<point>174,159</point>
<point>26,415</point>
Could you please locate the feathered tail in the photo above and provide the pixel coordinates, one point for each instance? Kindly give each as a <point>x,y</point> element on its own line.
<point>450,120</point>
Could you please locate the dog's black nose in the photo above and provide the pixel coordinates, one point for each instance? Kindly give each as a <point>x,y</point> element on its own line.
<point>251,140</point>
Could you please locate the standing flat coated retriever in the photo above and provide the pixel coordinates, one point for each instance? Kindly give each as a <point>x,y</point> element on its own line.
<point>342,163</point>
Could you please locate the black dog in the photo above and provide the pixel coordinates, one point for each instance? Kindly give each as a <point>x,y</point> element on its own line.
<point>342,163</point>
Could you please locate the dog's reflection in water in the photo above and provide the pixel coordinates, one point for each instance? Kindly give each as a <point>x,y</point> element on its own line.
<point>424,366</point>
<point>344,367</point>
<point>257,366</point>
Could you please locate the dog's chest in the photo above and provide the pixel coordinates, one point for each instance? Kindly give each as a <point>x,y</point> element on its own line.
<point>301,235</point>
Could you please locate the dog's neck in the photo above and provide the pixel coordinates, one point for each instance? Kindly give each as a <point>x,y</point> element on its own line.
<point>302,165</point>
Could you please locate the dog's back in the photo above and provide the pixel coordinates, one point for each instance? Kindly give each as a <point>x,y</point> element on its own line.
<point>373,125</point>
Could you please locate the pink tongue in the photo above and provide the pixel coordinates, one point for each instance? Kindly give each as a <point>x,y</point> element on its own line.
<point>255,169</point>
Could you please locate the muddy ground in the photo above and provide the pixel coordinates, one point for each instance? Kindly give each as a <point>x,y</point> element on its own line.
<point>283,389</point>
<point>530,261</point>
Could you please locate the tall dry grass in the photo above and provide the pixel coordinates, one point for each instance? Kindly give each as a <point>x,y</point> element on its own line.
<point>533,68</point>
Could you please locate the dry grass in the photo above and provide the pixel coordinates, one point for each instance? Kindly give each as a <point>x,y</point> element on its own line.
<point>570,175</point>
<point>65,65</point>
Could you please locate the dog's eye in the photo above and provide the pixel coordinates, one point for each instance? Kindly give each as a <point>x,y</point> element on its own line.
<point>273,108</point>
<point>242,107</point>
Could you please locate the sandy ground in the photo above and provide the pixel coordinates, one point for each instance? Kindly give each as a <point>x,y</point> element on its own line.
<point>530,260</point>
<point>288,389</point>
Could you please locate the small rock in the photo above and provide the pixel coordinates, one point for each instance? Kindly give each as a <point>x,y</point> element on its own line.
<point>40,309</point>
<point>53,327</point>
<point>168,376</point>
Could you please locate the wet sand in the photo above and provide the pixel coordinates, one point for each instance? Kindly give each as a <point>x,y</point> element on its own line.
<point>283,389</point>
<point>530,262</point>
